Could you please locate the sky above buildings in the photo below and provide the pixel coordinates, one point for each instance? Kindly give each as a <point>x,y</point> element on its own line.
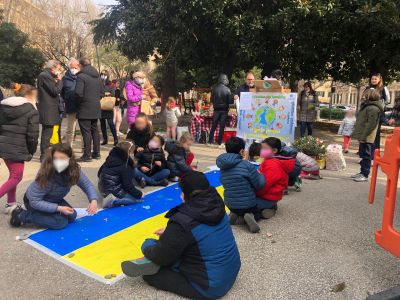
<point>105,2</point>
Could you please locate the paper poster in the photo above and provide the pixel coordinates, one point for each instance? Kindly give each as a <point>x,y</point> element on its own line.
<point>268,115</point>
<point>245,100</point>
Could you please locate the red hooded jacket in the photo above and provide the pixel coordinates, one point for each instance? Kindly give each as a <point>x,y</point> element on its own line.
<point>276,177</point>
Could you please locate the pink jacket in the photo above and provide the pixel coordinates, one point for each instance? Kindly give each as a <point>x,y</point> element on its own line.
<point>133,95</point>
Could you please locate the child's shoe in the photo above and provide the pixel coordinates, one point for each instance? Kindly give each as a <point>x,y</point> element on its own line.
<point>108,201</point>
<point>139,267</point>
<point>298,184</point>
<point>286,192</point>
<point>251,223</point>
<point>142,183</point>
<point>162,183</point>
<point>233,218</point>
<point>361,178</point>
<point>15,221</point>
<point>9,208</point>
<point>174,179</point>
<point>268,213</point>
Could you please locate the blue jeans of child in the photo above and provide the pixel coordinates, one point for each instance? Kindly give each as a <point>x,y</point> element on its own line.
<point>304,126</point>
<point>265,204</point>
<point>54,220</point>
<point>366,155</point>
<point>153,179</point>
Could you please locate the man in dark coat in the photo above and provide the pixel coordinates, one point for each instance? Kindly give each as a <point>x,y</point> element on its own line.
<point>221,98</point>
<point>245,88</point>
<point>89,90</point>
<point>49,86</point>
<point>68,94</point>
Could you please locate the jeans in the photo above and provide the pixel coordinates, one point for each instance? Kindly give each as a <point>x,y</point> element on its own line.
<point>127,200</point>
<point>16,170</point>
<point>54,220</point>
<point>168,280</point>
<point>366,155</point>
<point>47,132</point>
<point>90,134</point>
<point>304,126</point>
<point>71,126</point>
<point>265,204</point>
<point>110,122</point>
<point>153,179</point>
<point>219,117</point>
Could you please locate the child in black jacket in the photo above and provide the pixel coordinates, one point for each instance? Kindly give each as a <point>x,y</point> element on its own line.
<point>116,177</point>
<point>177,156</point>
<point>151,164</point>
<point>140,132</point>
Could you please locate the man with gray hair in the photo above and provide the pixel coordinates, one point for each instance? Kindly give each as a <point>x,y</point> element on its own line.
<point>49,86</point>
<point>68,94</point>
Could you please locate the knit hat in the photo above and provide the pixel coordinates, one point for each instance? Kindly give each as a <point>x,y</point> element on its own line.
<point>192,181</point>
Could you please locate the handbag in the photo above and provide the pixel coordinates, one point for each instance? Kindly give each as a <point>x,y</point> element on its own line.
<point>107,103</point>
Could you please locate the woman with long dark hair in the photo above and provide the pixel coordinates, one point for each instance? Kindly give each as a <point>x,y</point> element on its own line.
<point>307,107</point>
<point>44,200</point>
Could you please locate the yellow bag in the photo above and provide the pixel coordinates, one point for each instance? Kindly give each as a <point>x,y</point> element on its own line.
<point>107,103</point>
<point>55,138</point>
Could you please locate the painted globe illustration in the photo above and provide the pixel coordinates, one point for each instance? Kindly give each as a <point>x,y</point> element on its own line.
<point>265,116</point>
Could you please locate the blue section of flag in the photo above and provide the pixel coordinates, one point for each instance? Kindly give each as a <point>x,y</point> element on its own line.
<point>90,229</point>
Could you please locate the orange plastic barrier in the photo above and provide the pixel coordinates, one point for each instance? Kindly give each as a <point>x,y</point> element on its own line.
<point>387,237</point>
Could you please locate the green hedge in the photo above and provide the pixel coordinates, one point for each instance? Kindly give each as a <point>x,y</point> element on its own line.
<point>337,113</point>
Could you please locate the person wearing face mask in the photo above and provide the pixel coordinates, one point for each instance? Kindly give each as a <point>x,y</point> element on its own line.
<point>245,88</point>
<point>140,132</point>
<point>151,164</point>
<point>307,107</point>
<point>276,172</point>
<point>68,94</point>
<point>134,93</point>
<point>49,84</point>
<point>240,180</point>
<point>19,132</point>
<point>116,177</point>
<point>44,200</point>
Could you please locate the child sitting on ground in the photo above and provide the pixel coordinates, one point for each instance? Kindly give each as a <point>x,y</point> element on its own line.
<point>240,180</point>
<point>178,153</point>
<point>254,153</point>
<point>288,152</point>
<point>276,172</point>
<point>196,256</point>
<point>172,113</point>
<point>151,164</point>
<point>116,177</point>
<point>140,132</point>
<point>346,128</point>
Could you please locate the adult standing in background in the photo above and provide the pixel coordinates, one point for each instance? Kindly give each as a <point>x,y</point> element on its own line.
<point>108,115</point>
<point>245,88</point>
<point>221,98</point>
<point>149,95</point>
<point>133,88</point>
<point>376,82</point>
<point>49,86</point>
<point>68,94</point>
<point>89,90</point>
<point>307,107</point>
<point>118,107</point>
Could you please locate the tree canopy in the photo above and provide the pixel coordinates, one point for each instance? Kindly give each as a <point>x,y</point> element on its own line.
<point>18,61</point>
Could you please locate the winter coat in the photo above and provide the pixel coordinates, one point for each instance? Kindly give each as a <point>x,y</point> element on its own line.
<point>19,129</point>
<point>116,175</point>
<point>276,173</point>
<point>198,243</point>
<point>47,199</point>
<point>347,126</point>
<point>149,94</point>
<point>221,96</point>
<point>147,159</point>
<point>68,92</point>
<point>176,160</point>
<point>308,164</point>
<point>240,180</point>
<point>89,90</point>
<point>171,116</point>
<point>140,137</point>
<point>49,91</point>
<point>308,107</point>
<point>367,121</point>
<point>133,98</point>
<point>244,88</point>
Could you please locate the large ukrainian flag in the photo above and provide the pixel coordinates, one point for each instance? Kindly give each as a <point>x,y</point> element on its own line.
<point>96,245</point>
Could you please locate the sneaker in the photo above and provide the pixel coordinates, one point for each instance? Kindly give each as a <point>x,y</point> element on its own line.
<point>174,179</point>
<point>162,182</point>
<point>84,159</point>
<point>96,156</point>
<point>15,220</point>
<point>356,175</point>
<point>233,218</point>
<point>222,146</point>
<point>8,208</point>
<point>142,183</point>
<point>268,213</point>
<point>139,267</point>
<point>251,223</point>
<point>109,201</point>
<point>298,184</point>
<point>286,192</point>
<point>361,178</point>
<point>345,151</point>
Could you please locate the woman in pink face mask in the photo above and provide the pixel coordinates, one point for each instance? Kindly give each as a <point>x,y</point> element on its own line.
<point>276,172</point>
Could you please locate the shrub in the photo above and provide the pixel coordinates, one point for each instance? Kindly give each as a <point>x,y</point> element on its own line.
<point>337,113</point>
<point>310,146</point>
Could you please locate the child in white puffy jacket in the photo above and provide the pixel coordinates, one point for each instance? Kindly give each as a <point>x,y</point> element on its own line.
<point>346,128</point>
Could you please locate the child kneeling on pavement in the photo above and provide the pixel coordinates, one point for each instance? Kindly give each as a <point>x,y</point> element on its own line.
<point>178,154</point>
<point>116,177</point>
<point>151,164</point>
<point>196,256</point>
<point>276,172</point>
<point>240,180</point>
<point>44,200</point>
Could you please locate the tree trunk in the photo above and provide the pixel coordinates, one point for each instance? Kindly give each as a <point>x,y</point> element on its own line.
<point>168,82</point>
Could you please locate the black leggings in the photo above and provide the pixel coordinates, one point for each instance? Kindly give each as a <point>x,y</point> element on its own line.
<point>174,282</point>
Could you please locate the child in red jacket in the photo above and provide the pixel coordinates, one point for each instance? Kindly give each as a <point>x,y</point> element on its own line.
<point>276,176</point>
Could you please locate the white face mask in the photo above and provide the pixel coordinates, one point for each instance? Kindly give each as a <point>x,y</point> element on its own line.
<point>60,165</point>
<point>139,81</point>
<point>74,71</point>
<point>104,77</point>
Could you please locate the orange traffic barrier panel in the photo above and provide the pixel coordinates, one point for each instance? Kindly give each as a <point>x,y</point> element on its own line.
<point>387,237</point>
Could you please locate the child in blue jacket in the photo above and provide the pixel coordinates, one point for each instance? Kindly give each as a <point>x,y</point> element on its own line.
<point>240,180</point>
